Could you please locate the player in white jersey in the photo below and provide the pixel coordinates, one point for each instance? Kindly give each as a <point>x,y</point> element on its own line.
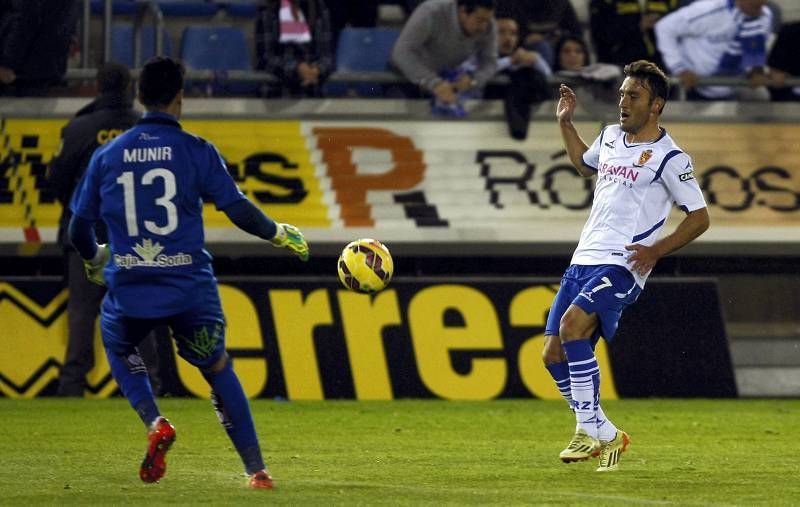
<point>640,172</point>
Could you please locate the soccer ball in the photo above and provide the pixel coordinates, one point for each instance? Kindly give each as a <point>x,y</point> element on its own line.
<point>365,266</point>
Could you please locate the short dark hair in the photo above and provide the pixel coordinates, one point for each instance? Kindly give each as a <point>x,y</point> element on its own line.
<point>652,75</point>
<point>113,77</point>
<point>160,81</point>
<point>471,5</point>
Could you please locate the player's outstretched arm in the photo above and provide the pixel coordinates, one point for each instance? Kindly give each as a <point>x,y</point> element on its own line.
<point>565,109</point>
<point>246,216</point>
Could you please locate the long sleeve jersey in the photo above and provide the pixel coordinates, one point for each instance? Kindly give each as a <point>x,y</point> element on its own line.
<point>713,38</point>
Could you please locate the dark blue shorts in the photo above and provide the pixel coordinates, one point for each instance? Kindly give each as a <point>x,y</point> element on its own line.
<point>605,290</point>
<point>199,331</point>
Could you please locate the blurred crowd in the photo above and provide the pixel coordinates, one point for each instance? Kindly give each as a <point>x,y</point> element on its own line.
<point>451,50</point>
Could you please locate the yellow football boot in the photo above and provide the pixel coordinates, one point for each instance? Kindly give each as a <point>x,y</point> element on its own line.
<point>611,451</point>
<point>580,448</point>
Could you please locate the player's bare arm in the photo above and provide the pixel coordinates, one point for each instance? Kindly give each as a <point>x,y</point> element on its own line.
<point>567,100</point>
<point>644,258</point>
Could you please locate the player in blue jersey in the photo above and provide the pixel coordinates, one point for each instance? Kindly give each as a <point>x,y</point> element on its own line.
<point>640,173</point>
<point>148,186</point>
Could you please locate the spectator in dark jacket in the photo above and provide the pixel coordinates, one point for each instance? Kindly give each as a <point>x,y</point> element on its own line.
<point>784,63</point>
<point>107,116</point>
<point>527,72</point>
<point>294,42</point>
<point>35,37</point>
<point>622,30</point>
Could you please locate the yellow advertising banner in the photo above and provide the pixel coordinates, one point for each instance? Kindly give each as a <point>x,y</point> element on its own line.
<point>440,180</point>
<point>455,338</point>
<point>271,334</point>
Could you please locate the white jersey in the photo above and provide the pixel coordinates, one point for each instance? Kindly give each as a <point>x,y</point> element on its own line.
<point>636,186</point>
<point>713,38</point>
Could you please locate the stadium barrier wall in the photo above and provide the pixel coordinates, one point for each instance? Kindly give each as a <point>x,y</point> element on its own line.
<point>451,338</point>
<point>432,181</point>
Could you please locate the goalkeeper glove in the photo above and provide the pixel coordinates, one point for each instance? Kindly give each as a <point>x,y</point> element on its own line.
<point>94,267</point>
<point>290,237</point>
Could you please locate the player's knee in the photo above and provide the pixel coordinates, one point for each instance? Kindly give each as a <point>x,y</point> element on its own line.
<point>573,327</point>
<point>552,353</point>
<point>576,324</point>
<point>219,365</point>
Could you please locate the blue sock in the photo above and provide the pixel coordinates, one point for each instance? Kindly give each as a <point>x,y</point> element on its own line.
<point>560,373</point>
<point>233,411</point>
<point>131,375</point>
<point>584,383</point>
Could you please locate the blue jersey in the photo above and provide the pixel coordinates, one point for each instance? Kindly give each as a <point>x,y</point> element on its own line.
<point>148,186</point>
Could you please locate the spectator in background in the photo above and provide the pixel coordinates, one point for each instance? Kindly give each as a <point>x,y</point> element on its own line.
<point>572,54</point>
<point>784,63</point>
<point>100,121</point>
<point>622,30</point>
<point>716,38</point>
<point>35,38</point>
<point>573,61</point>
<point>439,36</point>
<point>543,22</point>
<point>527,72</point>
<point>294,42</point>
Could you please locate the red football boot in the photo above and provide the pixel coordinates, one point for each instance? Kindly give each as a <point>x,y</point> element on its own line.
<point>160,439</point>
<point>260,480</point>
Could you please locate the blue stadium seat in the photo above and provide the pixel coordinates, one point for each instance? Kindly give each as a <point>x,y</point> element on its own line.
<point>122,43</point>
<point>363,50</point>
<point>240,8</point>
<point>217,48</point>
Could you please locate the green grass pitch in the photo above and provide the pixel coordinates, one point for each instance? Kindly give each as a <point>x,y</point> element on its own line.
<point>684,452</point>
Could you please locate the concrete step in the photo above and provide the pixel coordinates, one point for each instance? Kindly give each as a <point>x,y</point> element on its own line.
<point>763,381</point>
<point>766,358</point>
<point>772,344</point>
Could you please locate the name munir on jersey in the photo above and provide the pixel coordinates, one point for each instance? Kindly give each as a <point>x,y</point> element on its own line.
<point>155,154</point>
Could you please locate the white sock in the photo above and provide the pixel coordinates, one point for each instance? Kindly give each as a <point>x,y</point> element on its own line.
<point>606,430</point>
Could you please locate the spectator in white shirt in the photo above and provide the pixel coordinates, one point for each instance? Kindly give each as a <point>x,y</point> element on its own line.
<point>716,38</point>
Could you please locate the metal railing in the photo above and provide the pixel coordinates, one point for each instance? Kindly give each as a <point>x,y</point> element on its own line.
<point>145,7</point>
<point>389,77</point>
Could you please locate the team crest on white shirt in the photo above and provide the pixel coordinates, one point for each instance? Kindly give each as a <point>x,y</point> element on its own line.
<point>643,158</point>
